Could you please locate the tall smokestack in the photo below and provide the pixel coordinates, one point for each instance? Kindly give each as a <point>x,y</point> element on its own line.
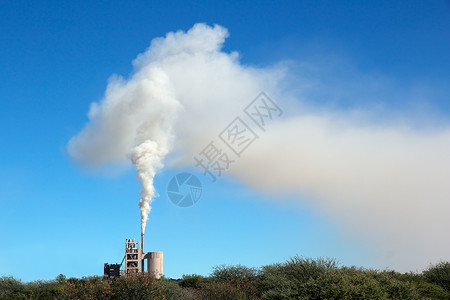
<point>142,241</point>
<point>142,250</point>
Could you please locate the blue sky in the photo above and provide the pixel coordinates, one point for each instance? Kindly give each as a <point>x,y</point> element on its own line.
<point>55,59</point>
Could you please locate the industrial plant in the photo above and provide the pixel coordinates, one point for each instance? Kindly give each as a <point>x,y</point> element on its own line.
<point>135,260</point>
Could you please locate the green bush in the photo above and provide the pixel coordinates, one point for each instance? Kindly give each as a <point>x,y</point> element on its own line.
<point>431,291</point>
<point>86,288</point>
<point>220,290</point>
<point>342,284</point>
<point>287,280</point>
<point>141,286</point>
<point>44,289</point>
<point>187,294</point>
<point>192,281</point>
<point>439,274</point>
<point>229,283</point>
<point>227,272</point>
<point>61,279</point>
<point>11,288</point>
<point>169,289</point>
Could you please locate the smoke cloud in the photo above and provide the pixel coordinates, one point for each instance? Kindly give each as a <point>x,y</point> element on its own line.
<point>147,158</point>
<point>132,122</point>
<point>385,184</point>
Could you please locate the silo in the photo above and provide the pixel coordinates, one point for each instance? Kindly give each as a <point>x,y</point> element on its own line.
<point>155,263</point>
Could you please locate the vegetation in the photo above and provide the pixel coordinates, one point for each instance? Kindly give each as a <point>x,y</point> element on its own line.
<point>297,278</point>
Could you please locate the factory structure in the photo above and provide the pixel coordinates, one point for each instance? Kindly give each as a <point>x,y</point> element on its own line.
<point>136,261</point>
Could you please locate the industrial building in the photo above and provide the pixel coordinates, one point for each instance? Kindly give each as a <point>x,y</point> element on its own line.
<point>135,260</point>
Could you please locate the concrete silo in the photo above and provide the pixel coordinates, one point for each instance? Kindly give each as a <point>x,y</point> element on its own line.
<point>155,263</point>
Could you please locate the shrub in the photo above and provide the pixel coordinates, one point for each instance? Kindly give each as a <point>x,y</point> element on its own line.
<point>439,274</point>
<point>86,288</point>
<point>395,285</point>
<point>187,294</point>
<point>141,286</point>
<point>170,289</point>
<point>44,289</point>
<point>11,288</point>
<point>431,291</point>
<point>192,281</point>
<point>282,281</point>
<point>342,284</point>
<point>227,272</point>
<point>220,290</point>
<point>61,279</point>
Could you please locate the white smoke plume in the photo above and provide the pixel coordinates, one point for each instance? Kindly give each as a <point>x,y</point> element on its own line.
<point>133,121</point>
<point>147,157</point>
<point>385,184</point>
